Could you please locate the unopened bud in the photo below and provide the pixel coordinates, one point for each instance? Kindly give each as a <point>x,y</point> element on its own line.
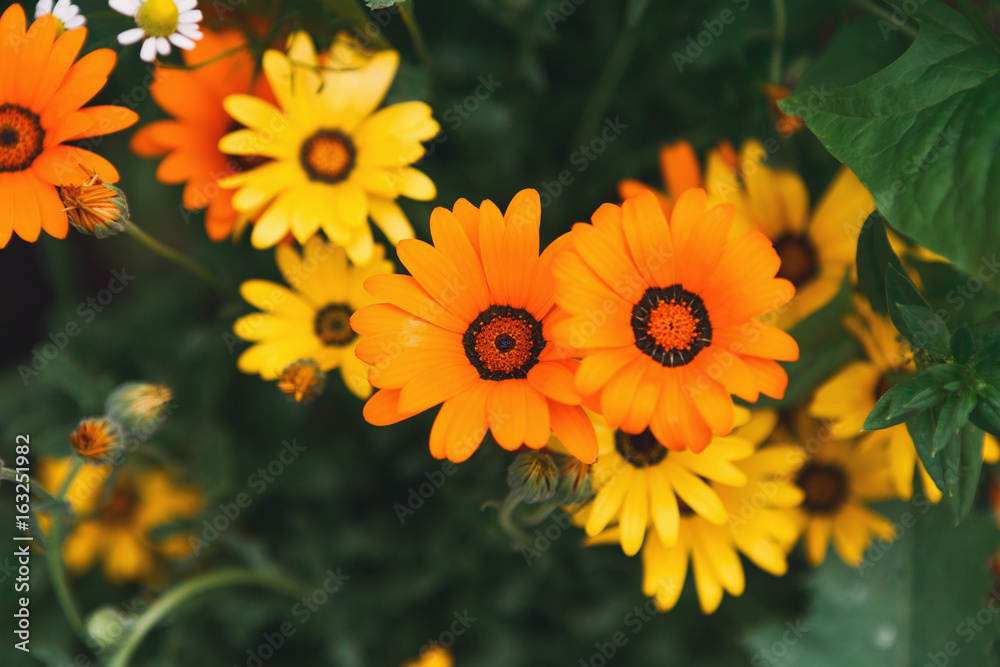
<point>139,407</point>
<point>533,477</point>
<point>302,380</point>
<point>95,208</point>
<point>96,439</point>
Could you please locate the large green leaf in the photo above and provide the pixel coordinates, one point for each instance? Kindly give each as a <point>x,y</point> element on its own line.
<point>922,135</point>
<point>908,603</point>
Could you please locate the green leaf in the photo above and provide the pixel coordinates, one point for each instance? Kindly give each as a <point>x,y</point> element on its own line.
<point>874,256</point>
<point>921,430</point>
<point>897,608</point>
<point>910,388</point>
<point>962,346</point>
<point>928,330</point>
<point>925,399</point>
<point>918,137</point>
<point>986,414</point>
<point>382,4</point>
<point>970,466</point>
<point>945,373</point>
<point>883,415</point>
<point>954,415</point>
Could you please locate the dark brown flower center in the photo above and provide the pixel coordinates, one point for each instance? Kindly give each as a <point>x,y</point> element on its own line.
<point>503,343</point>
<point>798,257</point>
<point>21,137</point>
<point>641,450</point>
<point>333,324</point>
<point>328,156</point>
<point>883,386</point>
<point>824,485</point>
<point>121,505</point>
<point>671,325</point>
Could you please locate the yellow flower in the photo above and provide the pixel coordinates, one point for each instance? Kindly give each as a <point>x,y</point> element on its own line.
<point>839,479</point>
<point>336,161</point>
<point>313,320</point>
<point>433,656</point>
<point>114,526</point>
<point>640,483</point>
<point>760,523</point>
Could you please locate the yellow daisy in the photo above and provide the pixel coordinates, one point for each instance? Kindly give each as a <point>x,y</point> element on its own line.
<point>839,479</point>
<point>336,161</point>
<point>760,523</point>
<point>114,525</point>
<point>433,656</point>
<point>311,321</point>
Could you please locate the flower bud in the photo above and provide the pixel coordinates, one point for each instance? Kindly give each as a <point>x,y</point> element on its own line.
<point>302,380</point>
<point>106,626</point>
<point>139,407</point>
<point>96,439</point>
<point>95,208</point>
<point>533,477</point>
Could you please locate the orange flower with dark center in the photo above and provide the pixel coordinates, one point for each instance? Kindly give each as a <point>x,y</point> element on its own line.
<point>469,329</point>
<point>664,315</point>
<point>42,91</point>
<point>221,64</point>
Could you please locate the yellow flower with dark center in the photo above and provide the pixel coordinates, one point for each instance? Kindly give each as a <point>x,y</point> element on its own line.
<point>313,321</point>
<point>336,161</point>
<point>639,483</point>
<point>760,522</point>
<point>96,439</point>
<point>816,249</point>
<point>302,380</point>
<point>114,525</point>
<point>839,479</point>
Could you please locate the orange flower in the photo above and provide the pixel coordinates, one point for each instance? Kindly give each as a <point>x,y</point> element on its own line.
<point>664,317</point>
<point>41,92</point>
<point>191,140</point>
<point>469,329</point>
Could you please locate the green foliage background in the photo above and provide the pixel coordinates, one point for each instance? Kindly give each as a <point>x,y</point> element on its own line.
<point>563,69</point>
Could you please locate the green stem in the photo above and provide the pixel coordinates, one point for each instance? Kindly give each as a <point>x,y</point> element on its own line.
<point>778,40</point>
<point>406,11</point>
<point>975,18</point>
<point>884,14</point>
<point>188,590</point>
<point>57,569</point>
<point>598,101</point>
<point>505,516</point>
<point>542,512</point>
<point>175,257</point>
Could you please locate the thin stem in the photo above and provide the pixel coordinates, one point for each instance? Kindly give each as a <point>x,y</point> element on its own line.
<point>778,40</point>
<point>975,18</point>
<point>598,101</point>
<point>505,516</point>
<point>175,257</point>
<point>57,569</point>
<point>188,590</point>
<point>10,475</point>
<point>884,14</point>
<point>406,11</point>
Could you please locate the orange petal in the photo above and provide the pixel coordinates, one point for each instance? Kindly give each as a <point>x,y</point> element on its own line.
<point>426,391</point>
<point>520,245</point>
<point>64,52</point>
<point>574,430</point>
<point>468,423</point>
<point>54,220</point>
<point>450,238</point>
<point>468,215</point>
<point>712,401</point>
<point>24,207</point>
<point>382,408</point>
<point>649,239</point>
<point>508,413</point>
<point>87,76</point>
<point>555,380</point>
<point>440,278</point>
<point>772,380</point>
<point>620,392</point>
<point>406,293</point>
<point>32,56</point>
<point>60,165</point>
<point>680,169</point>
<point>536,414</point>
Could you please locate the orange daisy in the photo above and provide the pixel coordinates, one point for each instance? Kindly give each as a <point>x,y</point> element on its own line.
<point>469,329</point>
<point>41,92</point>
<point>663,316</point>
<point>190,141</point>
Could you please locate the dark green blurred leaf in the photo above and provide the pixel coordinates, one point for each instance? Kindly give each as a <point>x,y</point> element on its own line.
<point>921,430</point>
<point>635,11</point>
<point>901,291</point>
<point>874,257</point>
<point>962,345</point>
<point>925,329</point>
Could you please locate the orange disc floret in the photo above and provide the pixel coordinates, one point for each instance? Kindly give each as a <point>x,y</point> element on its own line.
<point>665,316</point>
<point>42,89</point>
<point>469,329</point>
<point>190,139</point>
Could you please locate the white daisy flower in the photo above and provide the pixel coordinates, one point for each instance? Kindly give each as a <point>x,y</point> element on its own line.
<point>160,23</point>
<point>64,10</point>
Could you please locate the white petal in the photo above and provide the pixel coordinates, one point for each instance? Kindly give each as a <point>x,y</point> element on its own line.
<point>192,16</point>
<point>162,46</point>
<point>43,7</point>
<point>131,36</point>
<point>184,5</point>
<point>181,41</point>
<point>189,30</point>
<point>75,22</point>
<point>148,51</point>
<point>126,7</point>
